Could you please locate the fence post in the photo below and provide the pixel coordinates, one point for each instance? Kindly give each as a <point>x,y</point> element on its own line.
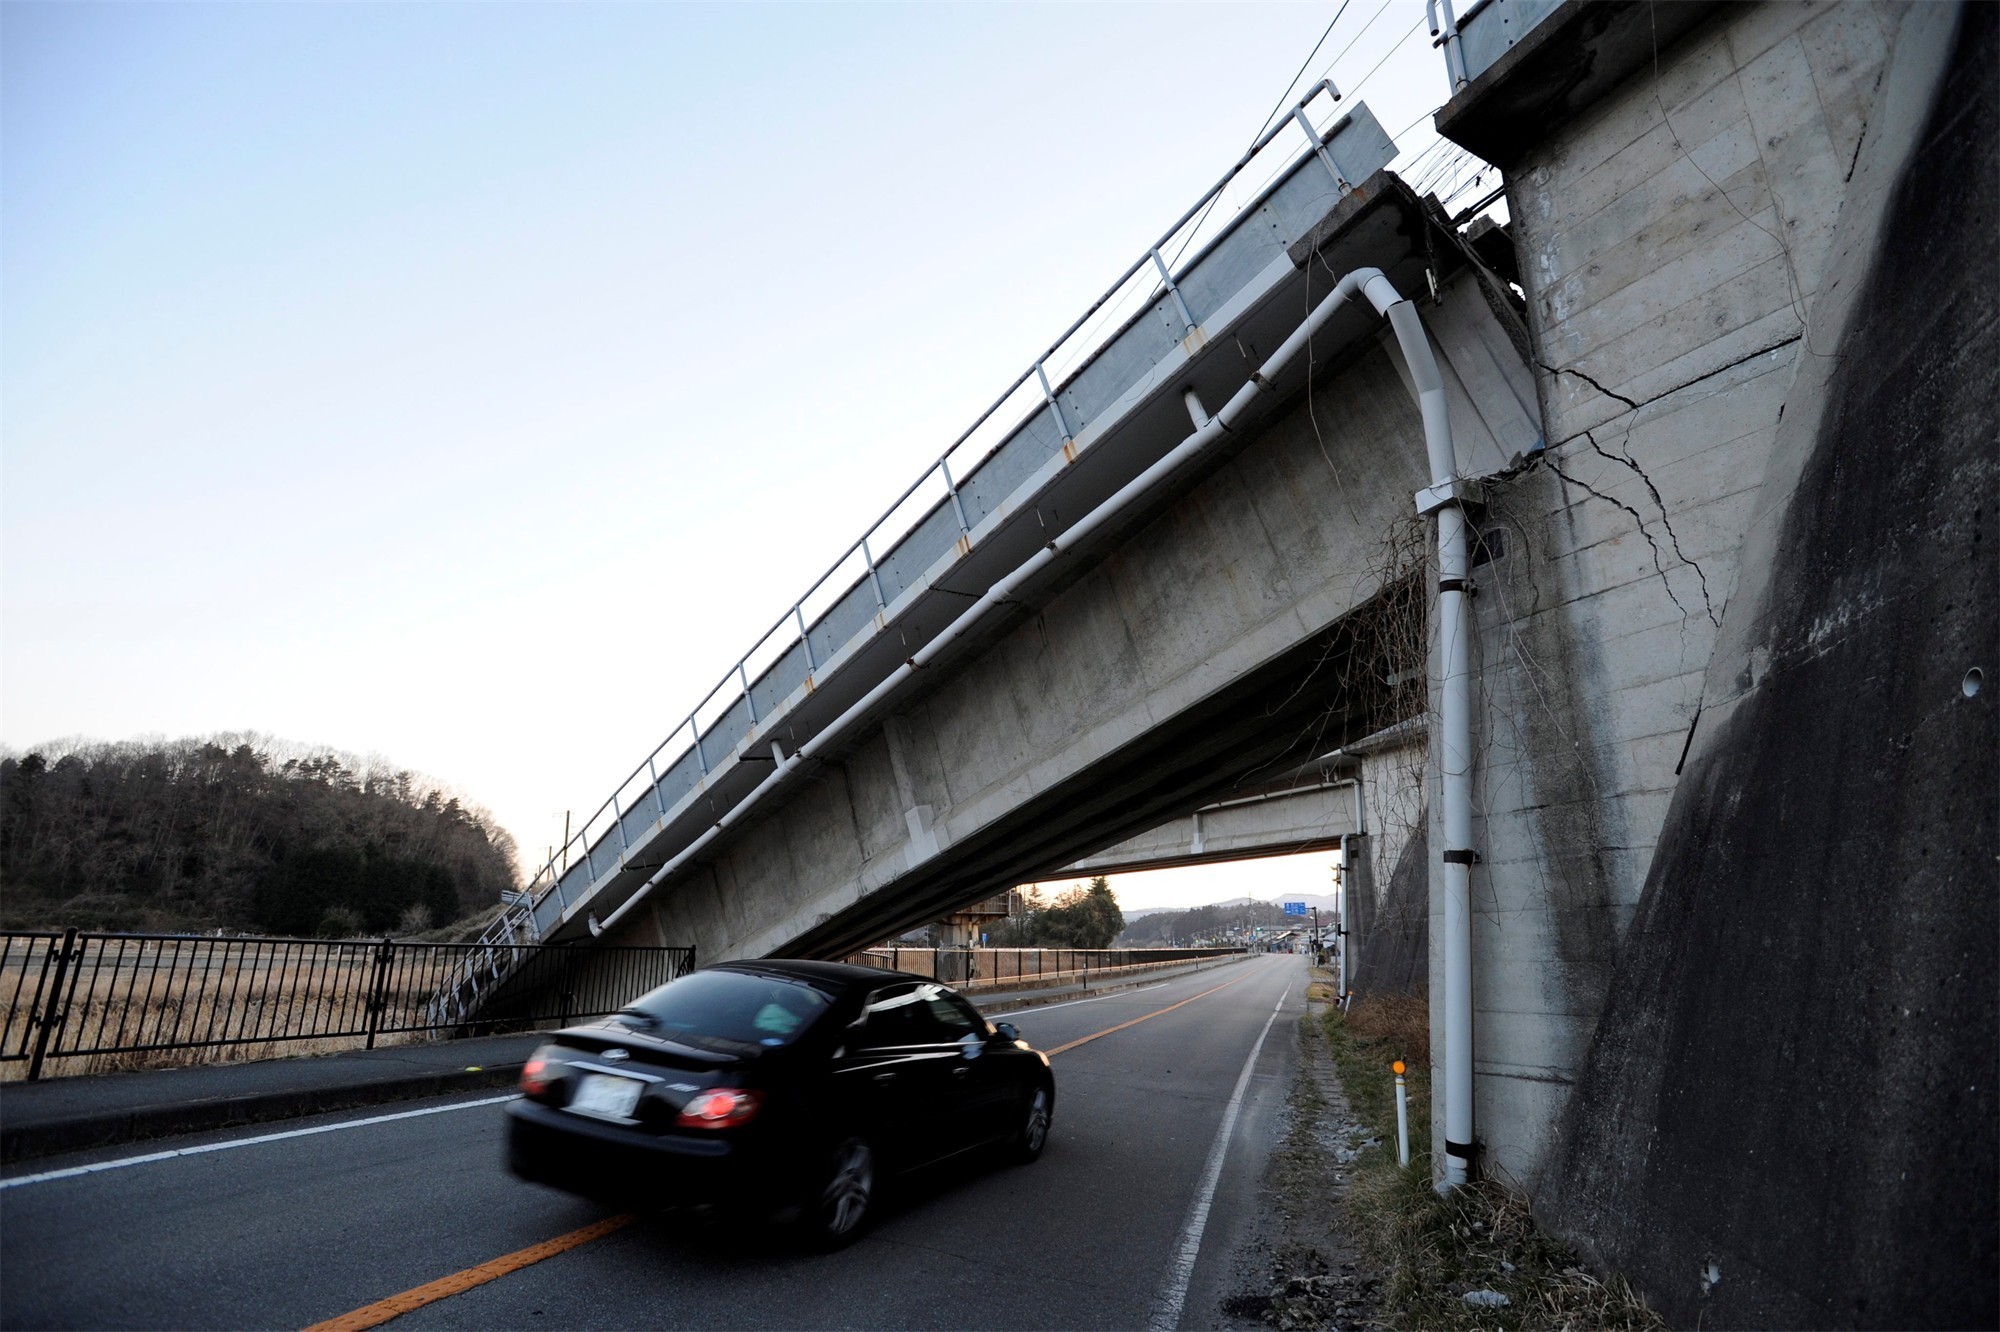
<point>377,987</point>
<point>50,1016</point>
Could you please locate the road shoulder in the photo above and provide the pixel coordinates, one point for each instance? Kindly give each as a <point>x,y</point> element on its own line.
<point>1298,1268</point>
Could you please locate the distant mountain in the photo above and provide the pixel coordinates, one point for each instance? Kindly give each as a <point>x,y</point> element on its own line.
<point>1324,901</point>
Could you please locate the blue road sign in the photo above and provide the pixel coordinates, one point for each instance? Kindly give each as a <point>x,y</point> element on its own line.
<point>1295,908</point>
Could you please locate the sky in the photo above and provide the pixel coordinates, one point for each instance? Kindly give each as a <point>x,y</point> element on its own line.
<point>473,385</point>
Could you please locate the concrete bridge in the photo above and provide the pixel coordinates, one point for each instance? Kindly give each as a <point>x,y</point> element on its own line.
<point>1721,398</point>
<point>1216,619</point>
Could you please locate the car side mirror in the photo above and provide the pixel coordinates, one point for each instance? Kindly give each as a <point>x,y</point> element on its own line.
<point>1007,1031</point>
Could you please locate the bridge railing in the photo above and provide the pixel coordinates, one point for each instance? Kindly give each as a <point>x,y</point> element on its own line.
<point>123,999</point>
<point>977,968</point>
<point>1042,411</point>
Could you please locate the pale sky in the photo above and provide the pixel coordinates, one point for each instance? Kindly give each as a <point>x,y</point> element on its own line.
<point>473,384</point>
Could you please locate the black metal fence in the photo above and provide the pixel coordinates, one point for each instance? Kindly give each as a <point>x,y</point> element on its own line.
<point>996,966</point>
<point>77,994</point>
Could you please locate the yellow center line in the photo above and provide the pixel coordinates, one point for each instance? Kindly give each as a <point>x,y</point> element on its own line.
<point>374,1315</point>
<point>380,1312</point>
<point>1145,1017</point>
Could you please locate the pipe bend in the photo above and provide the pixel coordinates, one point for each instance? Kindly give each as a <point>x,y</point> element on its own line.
<point>1381,292</point>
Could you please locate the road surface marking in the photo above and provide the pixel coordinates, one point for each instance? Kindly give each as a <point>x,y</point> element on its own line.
<point>1173,1295</point>
<point>374,1315</point>
<point>151,1157</point>
<point>1145,1017</point>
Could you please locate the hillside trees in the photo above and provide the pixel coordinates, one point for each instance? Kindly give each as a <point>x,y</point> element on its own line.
<point>1205,922</point>
<point>1083,917</point>
<point>239,832</point>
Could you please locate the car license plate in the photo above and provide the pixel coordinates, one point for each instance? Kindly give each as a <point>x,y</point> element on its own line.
<point>606,1097</point>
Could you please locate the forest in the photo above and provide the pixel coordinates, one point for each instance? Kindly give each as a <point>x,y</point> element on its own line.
<point>241,833</point>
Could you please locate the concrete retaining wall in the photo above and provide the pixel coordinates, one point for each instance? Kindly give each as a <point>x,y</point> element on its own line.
<point>1672,240</point>
<point>1735,928</point>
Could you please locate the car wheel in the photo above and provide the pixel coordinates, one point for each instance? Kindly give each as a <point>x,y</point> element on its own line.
<point>1033,1135</point>
<point>847,1192</point>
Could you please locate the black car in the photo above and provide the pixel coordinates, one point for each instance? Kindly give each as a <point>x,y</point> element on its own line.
<point>776,1086</point>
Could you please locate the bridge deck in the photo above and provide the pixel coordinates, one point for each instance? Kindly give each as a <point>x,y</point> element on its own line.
<point>1117,413</point>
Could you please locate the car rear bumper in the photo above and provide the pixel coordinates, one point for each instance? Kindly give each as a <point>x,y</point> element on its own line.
<point>626,1165</point>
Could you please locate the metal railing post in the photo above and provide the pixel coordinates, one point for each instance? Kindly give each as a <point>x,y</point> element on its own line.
<point>51,1015</point>
<point>1319,146</point>
<point>1172,290</point>
<point>958,507</point>
<point>377,997</point>
<point>699,756</point>
<point>743,674</point>
<point>867,556</point>
<point>798,613</point>
<point>1062,423</point>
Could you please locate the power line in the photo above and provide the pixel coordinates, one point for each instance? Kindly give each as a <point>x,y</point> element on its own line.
<point>1357,36</point>
<point>1195,230</point>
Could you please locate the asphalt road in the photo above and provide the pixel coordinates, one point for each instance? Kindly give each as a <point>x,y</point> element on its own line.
<point>294,1230</point>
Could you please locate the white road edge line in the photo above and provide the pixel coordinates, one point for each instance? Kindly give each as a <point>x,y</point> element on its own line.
<point>1172,1302</point>
<point>150,1157</point>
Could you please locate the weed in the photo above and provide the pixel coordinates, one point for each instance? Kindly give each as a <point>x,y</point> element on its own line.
<point>1436,1248</point>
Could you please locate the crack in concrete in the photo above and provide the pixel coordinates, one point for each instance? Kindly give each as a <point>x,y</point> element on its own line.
<point>1573,371</point>
<point>1623,456</point>
<point>1663,393</point>
<point>1658,563</point>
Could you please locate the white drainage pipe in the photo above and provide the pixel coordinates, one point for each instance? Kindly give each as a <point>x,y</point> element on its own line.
<point>1447,497</point>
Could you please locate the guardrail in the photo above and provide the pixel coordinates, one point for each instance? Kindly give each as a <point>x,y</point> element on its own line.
<point>966,968</point>
<point>77,995</point>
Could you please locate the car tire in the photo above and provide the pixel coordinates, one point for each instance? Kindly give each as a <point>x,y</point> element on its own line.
<point>1033,1134</point>
<point>841,1204</point>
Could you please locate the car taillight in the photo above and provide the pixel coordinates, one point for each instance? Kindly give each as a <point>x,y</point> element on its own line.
<point>723,1107</point>
<point>538,1073</point>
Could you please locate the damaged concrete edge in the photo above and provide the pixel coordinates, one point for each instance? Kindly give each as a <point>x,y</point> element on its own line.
<point>1559,68</point>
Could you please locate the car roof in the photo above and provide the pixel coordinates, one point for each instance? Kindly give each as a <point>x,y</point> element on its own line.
<point>825,973</point>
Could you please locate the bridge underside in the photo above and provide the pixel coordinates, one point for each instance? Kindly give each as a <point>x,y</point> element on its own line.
<point>1282,822</point>
<point>1271,721</point>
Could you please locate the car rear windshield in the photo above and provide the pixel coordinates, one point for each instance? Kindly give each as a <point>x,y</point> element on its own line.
<point>729,1011</point>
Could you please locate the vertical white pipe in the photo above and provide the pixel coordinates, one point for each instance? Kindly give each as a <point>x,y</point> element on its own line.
<point>1340,935</point>
<point>1455,721</point>
<point>1455,778</point>
<point>1402,1118</point>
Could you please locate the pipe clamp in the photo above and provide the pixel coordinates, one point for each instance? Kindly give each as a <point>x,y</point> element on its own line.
<point>1456,491</point>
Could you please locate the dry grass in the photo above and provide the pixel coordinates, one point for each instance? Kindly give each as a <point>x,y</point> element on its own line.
<point>1435,1248</point>
<point>163,999</point>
